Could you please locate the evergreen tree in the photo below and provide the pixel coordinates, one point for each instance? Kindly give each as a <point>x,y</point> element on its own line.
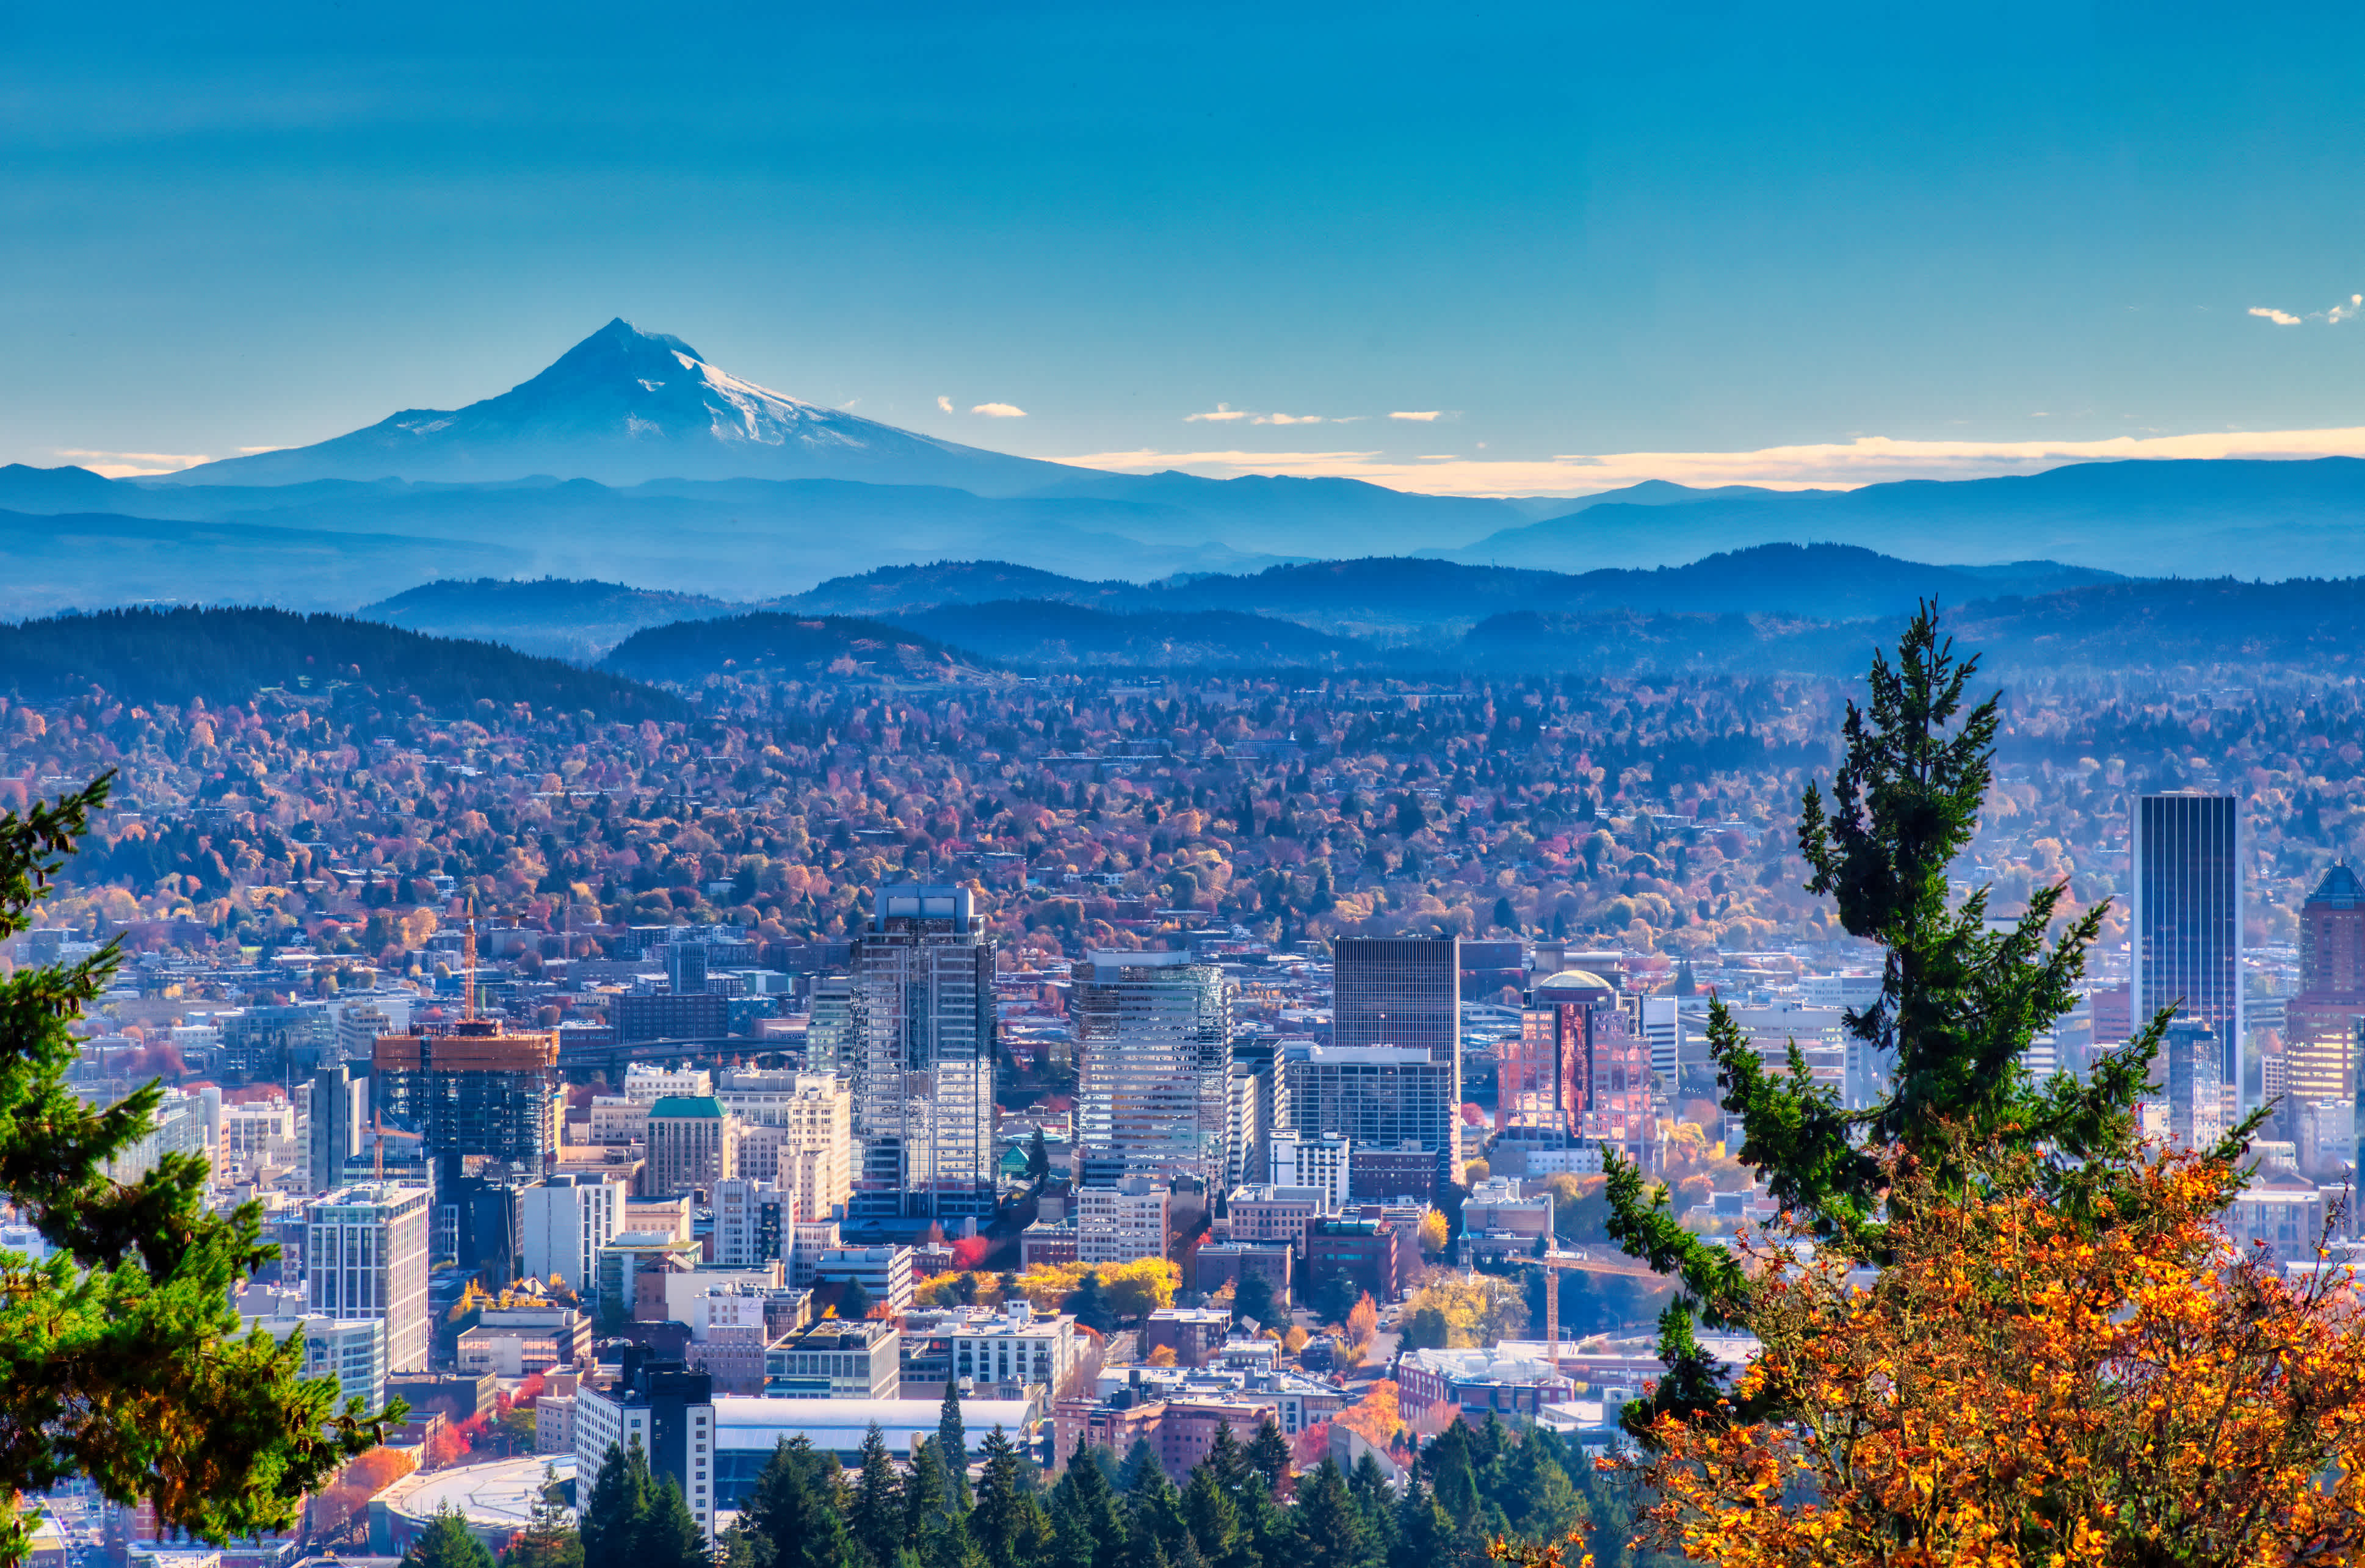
<point>1454,1475</point>
<point>1139,1460</point>
<point>794,1510</point>
<point>1007,1524</point>
<point>1268,1455</point>
<point>1330,1535</point>
<point>124,1356</point>
<point>670,1535</point>
<point>1252,1298</point>
<point>1155,1509</point>
<point>1959,1003</point>
<point>1038,1158</point>
<point>447,1544</point>
<point>952,1451</point>
<point>853,1302</point>
<point>1374,1505</point>
<point>1084,1501</point>
<point>924,1494</point>
<point>1087,1304</point>
<point>1536,1494</point>
<point>621,1499</point>
<point>550,1538</point>
<point>1212,1519</point>
<point>874,1516</point>
<point>1424,1535</point>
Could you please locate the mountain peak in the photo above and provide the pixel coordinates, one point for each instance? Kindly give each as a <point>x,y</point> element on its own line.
<point>624,406</point>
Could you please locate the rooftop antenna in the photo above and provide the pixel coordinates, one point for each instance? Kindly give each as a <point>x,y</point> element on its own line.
<point>468,1006</point>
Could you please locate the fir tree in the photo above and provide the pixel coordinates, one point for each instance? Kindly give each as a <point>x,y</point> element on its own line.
<point>1139,1460</point>
<point>1268,1455</point>
<point>1038,1158</point>
<point>1085,1503</point>
<point>621,1499</point>
<point>550,1538</point>
<point>1253,1297</point>
<point>1374,1505</point>
<point>670,1535</point>
<point>1330,1535</point>
<point>447,1544</point>
<point>124,1361</point>
<point>794,1510</point>
<point>1959,1003</point>
<point>924,1494</point>
<point>853,1301</point>
<point>1007,1524</point>
<point>952,1451</point>
<point>874,1515</point>
<point>1212,1519</point>
<point>1155,1509</point>
<point>1424,1534</point>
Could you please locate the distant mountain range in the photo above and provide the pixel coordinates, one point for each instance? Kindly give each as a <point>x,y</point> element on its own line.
<point>633,459</point>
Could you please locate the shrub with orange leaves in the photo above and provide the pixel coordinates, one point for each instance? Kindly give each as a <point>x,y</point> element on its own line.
<point>2068,1374</point>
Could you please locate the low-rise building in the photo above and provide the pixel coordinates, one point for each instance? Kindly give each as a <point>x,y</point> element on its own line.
<point>1194,1333</point>
<point>1015,1347</point>
<point>1508,1380</point>
<point>1274,1214</point>
<point>884,1273</point>
<point>836,1359</point>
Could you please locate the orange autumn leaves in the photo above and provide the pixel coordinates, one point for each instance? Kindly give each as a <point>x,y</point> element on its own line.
<point>2066,1375</point>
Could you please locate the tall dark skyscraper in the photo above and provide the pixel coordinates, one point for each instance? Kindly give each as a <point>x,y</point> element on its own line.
<point>1398,991</point>
<point>2187,941</point>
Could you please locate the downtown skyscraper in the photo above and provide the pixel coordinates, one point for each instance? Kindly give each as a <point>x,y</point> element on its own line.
<point>1154,1061</point>
<point>2187,940</point>
<point>920,1047</point>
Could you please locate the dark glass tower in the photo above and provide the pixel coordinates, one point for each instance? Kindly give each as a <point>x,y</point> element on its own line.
<point>2187,941</point>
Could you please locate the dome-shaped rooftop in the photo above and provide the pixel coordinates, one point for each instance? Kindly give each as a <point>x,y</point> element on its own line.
<point>1575,981</point>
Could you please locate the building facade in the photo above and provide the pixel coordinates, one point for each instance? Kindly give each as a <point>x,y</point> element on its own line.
<point>924,1030</point>
<point>1122,1223</point>
<point>366,1257</point>
<point>563,1221</point>
<point>2187,938</point>
<point>1154,1058</point>
<point>692,1145</point>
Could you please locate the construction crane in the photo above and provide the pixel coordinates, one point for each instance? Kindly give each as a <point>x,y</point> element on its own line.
<point>1554,1264</point>
<point>382,1132</point>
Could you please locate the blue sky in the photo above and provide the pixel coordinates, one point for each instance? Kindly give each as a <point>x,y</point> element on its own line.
<point>1828,244</point>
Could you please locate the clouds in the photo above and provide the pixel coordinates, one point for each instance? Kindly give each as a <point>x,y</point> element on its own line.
<point>999,411</point>
<point>1867,460</point>
<point>131,465</point>
<point>945,403</point>
<point>1225,414</point>
<point>2332,318</point>
<point>1426,415</point>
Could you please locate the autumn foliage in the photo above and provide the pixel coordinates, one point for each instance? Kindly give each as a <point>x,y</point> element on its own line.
<point>2080,1378</point>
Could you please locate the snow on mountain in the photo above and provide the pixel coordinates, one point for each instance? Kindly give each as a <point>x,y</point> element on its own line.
<point>622,407</point>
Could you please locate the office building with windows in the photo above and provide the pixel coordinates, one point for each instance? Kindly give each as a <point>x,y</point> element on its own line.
<point>924,1033</point>
<point>563,1221</point>
<point>366,1257</point>
<point>1154,1060</point>
<point>2187,938</point>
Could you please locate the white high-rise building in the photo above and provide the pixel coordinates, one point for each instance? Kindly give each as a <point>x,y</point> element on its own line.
<point>1122,1223</point>
<point>755,1223</point>
<point>1663,1037</point>
<point>1154,1055</point>
<point>563,1222</point>
<point>365,1256</point>
<point>1304,1159</point>
<point>351,1349</point>
<point>646,1082</point>
<point>796,1130</point>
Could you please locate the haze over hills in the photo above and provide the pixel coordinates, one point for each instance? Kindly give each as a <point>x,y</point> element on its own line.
<point>2253,517</point>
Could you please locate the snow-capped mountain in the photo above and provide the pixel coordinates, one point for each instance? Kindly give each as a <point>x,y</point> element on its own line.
<point>624,406</point>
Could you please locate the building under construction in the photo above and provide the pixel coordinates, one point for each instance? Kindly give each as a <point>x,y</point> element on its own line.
<point>474,1090</point>
<point>487,1108</point>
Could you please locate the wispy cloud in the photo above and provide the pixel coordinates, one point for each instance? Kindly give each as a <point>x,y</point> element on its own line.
<point>131,465</point>
<point>251,451</point>
<point>2341,312</point>
<point>999,411</point>
<point>1866,460</point>
<point>945,403</point>
<point>1225,414</point>
<point>1425,416</point>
